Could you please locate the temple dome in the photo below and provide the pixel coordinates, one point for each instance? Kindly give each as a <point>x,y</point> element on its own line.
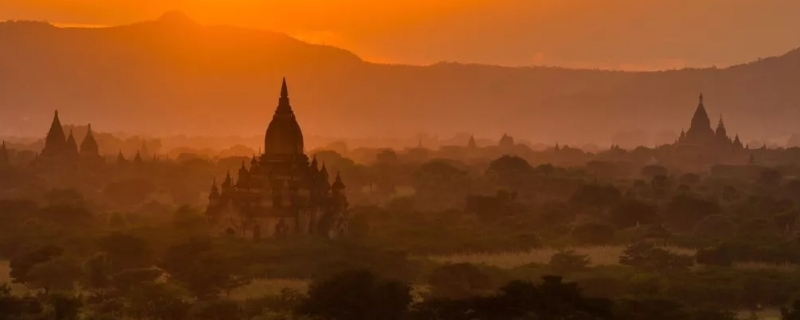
<point>284,136</point>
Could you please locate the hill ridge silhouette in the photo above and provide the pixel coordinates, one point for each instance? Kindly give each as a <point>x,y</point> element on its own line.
<point>148,78</point>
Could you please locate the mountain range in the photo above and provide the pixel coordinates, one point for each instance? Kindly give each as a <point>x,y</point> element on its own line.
<point>174,76</point>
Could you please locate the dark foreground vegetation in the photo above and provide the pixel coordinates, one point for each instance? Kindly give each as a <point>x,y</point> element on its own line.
<point>130,241</point>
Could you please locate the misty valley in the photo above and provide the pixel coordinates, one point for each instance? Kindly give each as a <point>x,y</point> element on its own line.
<point>703,228</point>
<point>148,197</point>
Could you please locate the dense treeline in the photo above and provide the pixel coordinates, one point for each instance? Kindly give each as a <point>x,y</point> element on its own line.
<point>132,242</point>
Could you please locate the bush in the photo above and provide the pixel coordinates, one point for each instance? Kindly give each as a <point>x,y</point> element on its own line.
<point>716,256</point>
<point>357,295</point>
<point>568,261</point>
<point>646,256</point>
<point>593,233</point>
<point>458,281</point>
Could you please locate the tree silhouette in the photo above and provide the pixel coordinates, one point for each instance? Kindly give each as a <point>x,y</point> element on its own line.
<point>357,295</point>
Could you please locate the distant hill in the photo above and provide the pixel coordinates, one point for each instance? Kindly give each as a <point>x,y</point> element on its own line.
<point>173,75</point>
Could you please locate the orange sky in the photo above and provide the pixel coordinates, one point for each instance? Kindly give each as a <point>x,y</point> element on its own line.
<point>617,34</point>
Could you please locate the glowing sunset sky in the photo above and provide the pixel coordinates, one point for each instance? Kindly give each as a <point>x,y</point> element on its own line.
<point>618,34</point>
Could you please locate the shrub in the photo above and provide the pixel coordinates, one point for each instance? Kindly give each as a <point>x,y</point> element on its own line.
<point>357,295</point>
<point>458,281</point>
<point>568,261</point>
<point>716,256</point>
<point>646,256</point>
<point>593,233</point>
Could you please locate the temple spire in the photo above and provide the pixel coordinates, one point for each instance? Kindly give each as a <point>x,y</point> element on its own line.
<point>72,145</point>
<point>227,183</point>
<point>89,144</point>
<point>338,184</point>
<point>284,107</point>
<point>4,156</point>
<point>214,194</point>
<point>324,173</point>
<point>700,130</point>
<point>121,158</point>
<point>56,140</point>
<point>284,89</point>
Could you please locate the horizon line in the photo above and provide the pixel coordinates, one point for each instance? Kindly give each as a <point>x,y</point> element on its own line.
<point>637,68</point>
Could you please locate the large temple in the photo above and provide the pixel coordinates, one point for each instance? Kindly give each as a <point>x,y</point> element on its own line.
<point>701,136</point>
<point>60,149</point>
<point>282,193</point>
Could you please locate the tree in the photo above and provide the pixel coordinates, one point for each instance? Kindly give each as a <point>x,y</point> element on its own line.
<point>545,169</point>
<point>98,274</point>
<point>357,295</point>
<point>129,193</point>
<point>188,219</point>
<point>770,178</point>
<point>125,251</point>
<point>654,309</point>
<point>218,310</point>
<point>489,209</point>
<point>730,194</point>
<point>568,261</point>
<point>65,197</point>
<point>458,281</point>
<point>203,271</point>
<point>791,312</point>
<point>593,233</point>
<point>721,255</point>
<point>359,225</point>
<point>660,186</point>
<point>159,301</point>
<point>715,227</point>
<point>22,265</point>
<point>386,157</point>
<point>786,221</point>
<point>758,229</point>
<point>12,307</point>
<point>511,171</point>
<point>60,273</point>
<point>440,184</point>
<point>632,212</point>
<point>64,306</point>
<point>596,196</point>
<point>646,256</point>
<point>685,211</point>
<point>72,218</point>
<point>653,171</point>
<point>130,279</point>
<point>689,179</point>
<point>552,299</point>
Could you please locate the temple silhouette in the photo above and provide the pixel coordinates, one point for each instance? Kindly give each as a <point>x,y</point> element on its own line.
<point>281,193</point>
<point>700,133</point>
<point>60,149</point>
